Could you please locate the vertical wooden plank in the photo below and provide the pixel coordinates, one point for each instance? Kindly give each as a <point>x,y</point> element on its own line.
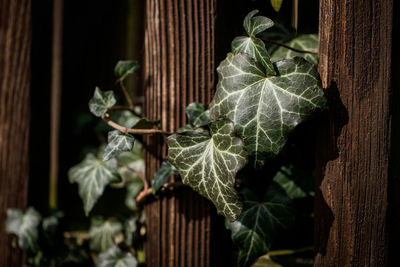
<point>354,146</point>
<point>179,69</point>
<point>15,45</point>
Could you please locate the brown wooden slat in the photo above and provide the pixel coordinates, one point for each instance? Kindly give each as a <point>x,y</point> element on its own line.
<point>15,47</point>
<point>354,147</point>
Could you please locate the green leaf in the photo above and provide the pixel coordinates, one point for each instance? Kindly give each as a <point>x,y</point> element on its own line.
<point>306,42</point>
<point>125,67</point>
<point>132,191</point>
<point>260,222</point>
<point>117,143</point>
<point>208,164</point>
<point>276,4</point>
<point>296,183</point>
<point>25,227</point>
<point>265,109</point>
<point>197,115</point>
<point>101,102</point>
<point>252,45</point>
<point>114,257</point>
<point>130,227</point>
<point>190,128</point>
<point>162,175</point>
<point>92,175</point>
<point>145,124</point>
<point>101,233</point>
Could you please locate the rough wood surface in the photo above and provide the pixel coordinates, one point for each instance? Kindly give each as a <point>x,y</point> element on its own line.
<point>178,70</point>
<point>15,45</point>
<point>354,146</point>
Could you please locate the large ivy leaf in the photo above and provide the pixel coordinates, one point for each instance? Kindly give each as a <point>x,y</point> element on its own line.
<point>162,175</point>
<point>265,109</point>
<point>25,227</point>
<point>260,222</point>
<point>208,164</point>
<point>114,257</point>
<point>197,115</point>
<point>117,143</point>
<point>101,102</point>
<point>92,175</point>
<point>296,183</point>
<point>306,42</point>
<point>252,45</point>
<point>125,67</point>
<point>102,232</point>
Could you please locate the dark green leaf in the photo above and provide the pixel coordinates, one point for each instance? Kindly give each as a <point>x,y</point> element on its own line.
<point>252,45</point>
<point>260,222</point>
<point>92,175</point>
<point>145,124</point>
<point>130,228</point>
<point>306,42</point>
<point>189,128</point>
<point>117,143</point>
<point>133,189</point>
<point>101,102</point>
<point>102,232</point>
<point>265,109</point>
<point>209,164</point>
<point>114,257</point>
<point>162,175</point>
<point>125,67</point>
<point>25,227</point>
<point>296,183</point>
<point>197,115</point>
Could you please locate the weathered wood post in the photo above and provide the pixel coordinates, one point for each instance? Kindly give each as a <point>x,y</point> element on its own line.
<point>178,70</point>
<point>353,159</point>
<point>15,46</point>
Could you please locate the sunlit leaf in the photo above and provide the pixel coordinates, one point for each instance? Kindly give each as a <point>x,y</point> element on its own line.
<point>265,109</point>
<point>117,143</point>
<point>125,67</point>
<point>305,42</point>
<point>208,164</point>
<point>102,232</point>
<point>25,227</point>
<point>92,175</point>
<point>114,257</point>
<point>276,4</point>
<point>162,175</point>
<point>101,102</point>
<point>260,221</point>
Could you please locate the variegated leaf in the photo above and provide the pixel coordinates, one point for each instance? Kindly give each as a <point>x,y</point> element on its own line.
<point>114,257</point>
<point>125,67</point>
<point>208,164</point>
<point>117,143</point>
<point>101,233</point>
<point>101,102</point>
<point>197,115</point>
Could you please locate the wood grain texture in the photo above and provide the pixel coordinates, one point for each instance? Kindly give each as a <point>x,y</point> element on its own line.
<point>178,70</point>
<point>355,144</point>
<point>15,45</point>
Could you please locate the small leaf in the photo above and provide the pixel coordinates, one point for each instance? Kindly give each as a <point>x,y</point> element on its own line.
<point>276,4</point>
<point>92,175</point>
<point>133,189</point>
<point>265,109</point>
<point>117,143</point>
<point>25,227</point>
<point>114,257</point>
<point>102,232</point>
<point>101,102</point>
<point>208,164</point>
<point>197,115</point>
<point>306,42</point>
<point>296,183</point>
<point>260,222</point>
<point>162,175</point>
<point>255,25</point>
<point>125,67</point>
<point>252,45</point>
<point>130,228</point>
<point>144,123</point>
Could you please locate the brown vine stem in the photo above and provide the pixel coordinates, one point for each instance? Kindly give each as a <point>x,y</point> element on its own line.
<point>149,192</point>
<point>289,47</point>
<point>126,93</point>
<point>140,174</point>
<point>106,118</point>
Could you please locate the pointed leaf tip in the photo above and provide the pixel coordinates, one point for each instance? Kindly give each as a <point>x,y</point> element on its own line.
<point>101,102</point>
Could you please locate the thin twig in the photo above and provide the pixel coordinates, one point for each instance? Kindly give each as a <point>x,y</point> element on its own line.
<point>106,118</point>
<point>289,47</point>
<point>126,93</point>
<point>149,192</point>
<point>140,174</point>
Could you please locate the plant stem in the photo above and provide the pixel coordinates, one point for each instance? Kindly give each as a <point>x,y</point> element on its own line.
<point>125,130</point>
<point>126,93</point>
<point>289,47</point>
